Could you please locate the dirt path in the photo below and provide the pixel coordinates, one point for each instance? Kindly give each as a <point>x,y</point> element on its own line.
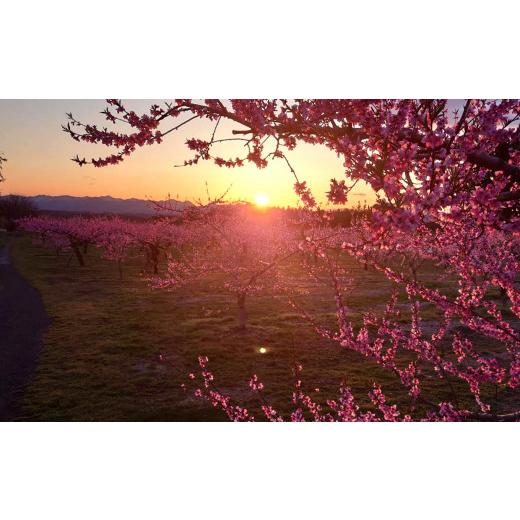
<point>23,320</point>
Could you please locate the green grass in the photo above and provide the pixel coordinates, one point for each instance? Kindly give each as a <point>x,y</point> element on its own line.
<point>101,353</point>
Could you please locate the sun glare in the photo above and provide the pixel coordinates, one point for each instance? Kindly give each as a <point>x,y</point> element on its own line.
<point>261,199</point>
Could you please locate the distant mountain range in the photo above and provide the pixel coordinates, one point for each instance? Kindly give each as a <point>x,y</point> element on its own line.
<point>104,204</point>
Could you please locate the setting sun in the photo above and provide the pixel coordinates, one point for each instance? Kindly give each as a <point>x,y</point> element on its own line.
<point>261,199</point>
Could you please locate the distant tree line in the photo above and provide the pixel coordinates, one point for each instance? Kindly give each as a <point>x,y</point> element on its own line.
<point>13,208</point>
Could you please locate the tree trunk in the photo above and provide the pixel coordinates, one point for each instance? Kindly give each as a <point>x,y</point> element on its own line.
<point>155,260</point>
<point>120,269</point>
<point>78,254</point>
<point>242,313</point>
<point>146,260</point>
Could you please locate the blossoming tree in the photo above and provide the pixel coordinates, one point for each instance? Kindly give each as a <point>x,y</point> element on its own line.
<point>447,183</point>
<point>155,237</point>
<point>116,238</point>
<point>242,248</point>
<point>75,233</point>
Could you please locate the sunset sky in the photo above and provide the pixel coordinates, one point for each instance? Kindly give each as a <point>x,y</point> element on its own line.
<point>39,154</point>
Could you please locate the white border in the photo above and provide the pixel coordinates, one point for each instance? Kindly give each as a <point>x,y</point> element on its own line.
<point>239,471</point>
<point>162,49</point>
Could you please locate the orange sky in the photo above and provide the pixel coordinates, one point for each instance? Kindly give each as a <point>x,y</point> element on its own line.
<point>39,153</point>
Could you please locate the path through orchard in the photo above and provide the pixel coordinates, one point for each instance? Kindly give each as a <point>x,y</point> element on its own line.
<point>23,320</point>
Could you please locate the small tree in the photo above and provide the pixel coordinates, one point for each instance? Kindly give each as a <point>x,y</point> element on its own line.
<point>75,232</point>
<point>242,249</point>
<point>116,237</point>
<point>155,237</point>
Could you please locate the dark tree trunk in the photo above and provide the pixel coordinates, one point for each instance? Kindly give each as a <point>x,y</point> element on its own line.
<point>146,260</point>
<point>78,254</point>
<point>120,269</point>
<point>155,259</point>
<point>242,312</point>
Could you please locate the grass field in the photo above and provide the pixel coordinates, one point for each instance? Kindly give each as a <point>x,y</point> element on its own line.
<point>101,356</point>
